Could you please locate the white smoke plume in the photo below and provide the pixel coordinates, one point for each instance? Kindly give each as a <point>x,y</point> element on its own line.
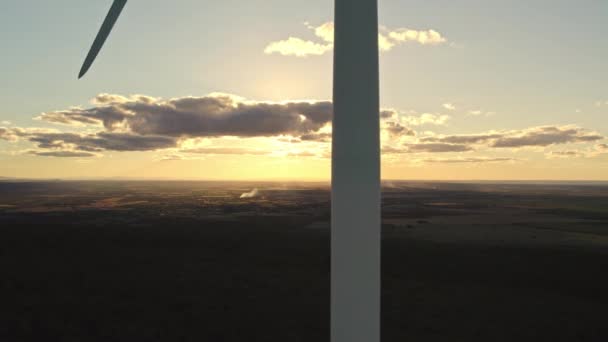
<point>252,194</point>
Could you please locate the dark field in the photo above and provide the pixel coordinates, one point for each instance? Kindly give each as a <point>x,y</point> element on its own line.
<point>192,261</point>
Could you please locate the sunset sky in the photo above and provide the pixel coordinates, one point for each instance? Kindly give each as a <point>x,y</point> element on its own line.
<point>192,89</point>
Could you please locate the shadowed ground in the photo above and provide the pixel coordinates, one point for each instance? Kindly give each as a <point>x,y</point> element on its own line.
<point>125,270</point>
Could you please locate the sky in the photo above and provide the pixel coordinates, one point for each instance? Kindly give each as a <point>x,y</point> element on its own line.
<point>470,90</point>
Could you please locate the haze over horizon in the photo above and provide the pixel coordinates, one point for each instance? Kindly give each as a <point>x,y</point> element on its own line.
<point>469,91</point>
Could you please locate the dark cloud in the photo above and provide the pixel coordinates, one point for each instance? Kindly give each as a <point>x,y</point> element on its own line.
<point>463,139</point>
<point>208,116</point>
<point>319,137</point>
<point>467,160</point>
<point>545,136</point>
<point>535,136</point>
<point>289,140</point>
<point>130,142</point>
<point>393,150</point>
<point>96,142</point>
<point>437,148</point>
<point>426,148</point>
<point>396,129</point>
<point>105,141</point>
<point>566,154</point>
<point>387,114</point>
<point>62,154</point>
<point>143,123</point>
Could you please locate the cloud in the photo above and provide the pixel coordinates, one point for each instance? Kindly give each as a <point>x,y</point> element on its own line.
<point>392,150</point>
<point>387,113</point>
<point>396,129</point>
<point>414,120</point>
<point>178,156</point>
<point>217,115</point>
<point>172,156</point>
<point>302,154</point>
<point>426,118</point>
<point>437,148</point>
<point>319,137</point>
<point>15,133</point>
<point>324,31</point>
<point>385,43</point>
<point>387,40</point>
<point>426,148</point>
<point>449,106</point>
<point>252,194</point>
<point>297,47</point>
<point>144,123</point>
<point>597,150</point>
<point>479,112</point>
<point>224,150</point>
<point>105,98</point>
<point>207,116</point>
<point>62,154</point>
<point>601,103</point>
<point>102,141</point>
<point>428,37</point>
<point>541,136</point>
<point>289,140</point>
<point>90,142</point>
<point>545,136</point>
<point>566,154</point>
<point>8,134</point>
<point>464,138</point>
<point>467,160</point>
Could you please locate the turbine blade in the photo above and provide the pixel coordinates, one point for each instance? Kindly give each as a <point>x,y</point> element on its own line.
<point>102,35</point>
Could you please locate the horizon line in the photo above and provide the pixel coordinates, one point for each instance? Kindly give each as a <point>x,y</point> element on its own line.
<point>309,180</point>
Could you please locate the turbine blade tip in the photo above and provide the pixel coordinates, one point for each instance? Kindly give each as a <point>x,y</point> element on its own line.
<point>82,72</point>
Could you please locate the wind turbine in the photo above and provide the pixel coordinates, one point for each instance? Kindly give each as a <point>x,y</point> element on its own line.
<point>355,196</point>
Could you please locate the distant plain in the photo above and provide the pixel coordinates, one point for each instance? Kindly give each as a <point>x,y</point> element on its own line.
<point>242,261</point>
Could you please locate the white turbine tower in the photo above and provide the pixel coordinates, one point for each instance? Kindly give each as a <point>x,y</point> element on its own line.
<point>355,202</point>
<point>355,197</point>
